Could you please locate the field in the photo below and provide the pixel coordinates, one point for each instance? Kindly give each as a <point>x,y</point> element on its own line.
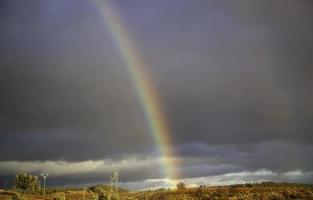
<point>272,191</point>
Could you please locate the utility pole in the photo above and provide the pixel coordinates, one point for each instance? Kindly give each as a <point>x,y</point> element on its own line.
<point>113,184</point>
<point>44,176</point>
<point>114,179</point>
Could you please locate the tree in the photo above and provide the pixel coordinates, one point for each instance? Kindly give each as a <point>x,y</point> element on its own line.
<point>181,186</point>
<point>27,182</point>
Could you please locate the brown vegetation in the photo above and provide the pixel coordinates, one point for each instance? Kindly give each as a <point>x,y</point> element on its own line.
<point>263,191</point>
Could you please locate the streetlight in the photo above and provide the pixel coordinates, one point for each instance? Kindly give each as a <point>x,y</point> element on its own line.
<point>44,176</point>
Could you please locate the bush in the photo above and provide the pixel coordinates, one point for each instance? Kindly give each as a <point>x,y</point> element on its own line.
<point>102,196</point>
<point>181,186</point>
<point>59,197</point>
<point>17,196</point>
<point>94,196</point>
<point>97,189</point>
<point>27,182</point>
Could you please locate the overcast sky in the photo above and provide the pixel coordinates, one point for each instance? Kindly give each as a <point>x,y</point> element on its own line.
<point>235,79</point>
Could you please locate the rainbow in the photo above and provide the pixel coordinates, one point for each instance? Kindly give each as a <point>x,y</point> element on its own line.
<point>143,85</point>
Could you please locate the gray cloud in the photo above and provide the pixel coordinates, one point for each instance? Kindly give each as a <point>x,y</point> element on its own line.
<point>196,160</point>
<point>235,80</point>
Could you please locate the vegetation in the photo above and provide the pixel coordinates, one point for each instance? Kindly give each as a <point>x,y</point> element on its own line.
<point>181,186</point>
<point>27,182</point>
<point>105,192</point>
<point>249,191</point>
<point>17,196</point>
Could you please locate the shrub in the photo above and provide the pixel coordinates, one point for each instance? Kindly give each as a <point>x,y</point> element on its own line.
<point>102,196</point>
<point>17,196</point>
<point>59,197</point>
<point>27,182</point>
<point>181,186</point>
<point>94,196</point>
<point>97,189</point>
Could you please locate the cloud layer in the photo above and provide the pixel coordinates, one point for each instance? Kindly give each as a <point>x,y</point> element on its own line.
<point>200,164</point>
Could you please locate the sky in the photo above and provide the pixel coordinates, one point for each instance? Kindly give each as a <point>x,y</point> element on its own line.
<point>234,78</point>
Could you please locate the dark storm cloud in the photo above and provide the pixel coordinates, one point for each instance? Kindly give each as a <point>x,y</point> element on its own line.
<point>60,86</point>
<point>235,79</point>
<point>68,145</point>
<point>235,71</point>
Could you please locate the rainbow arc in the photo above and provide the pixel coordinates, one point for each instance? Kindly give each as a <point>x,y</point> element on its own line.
<point>147,94</point>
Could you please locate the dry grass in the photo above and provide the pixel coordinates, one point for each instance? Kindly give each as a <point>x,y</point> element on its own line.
<point>236,192</point>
